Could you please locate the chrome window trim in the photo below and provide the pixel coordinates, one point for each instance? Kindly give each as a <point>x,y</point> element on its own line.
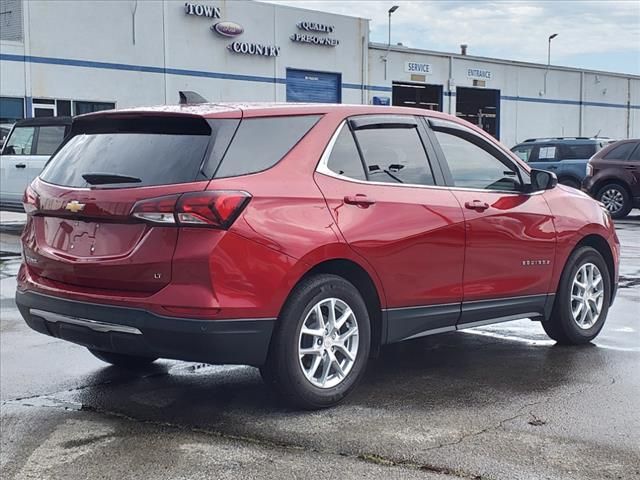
<point>323,168</point>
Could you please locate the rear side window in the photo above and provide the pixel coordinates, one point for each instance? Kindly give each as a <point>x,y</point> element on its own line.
<point>49,139</point>
<point>395,155</point>
<point>262,142</point>
<point>635,156</point>
<point>345,159</point>
<point>620,152</point>
<point>547,153</point>
<point>577,152</point>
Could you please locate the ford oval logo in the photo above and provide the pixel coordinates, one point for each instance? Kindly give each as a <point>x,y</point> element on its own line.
<point>228,29</point>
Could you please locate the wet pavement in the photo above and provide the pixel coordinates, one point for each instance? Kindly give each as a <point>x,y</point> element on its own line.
<point>496,402</point>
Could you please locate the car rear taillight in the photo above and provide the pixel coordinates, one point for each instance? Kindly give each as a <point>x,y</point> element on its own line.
<point>216,208</point>
<point>589,170</point>
<point>30,200</point>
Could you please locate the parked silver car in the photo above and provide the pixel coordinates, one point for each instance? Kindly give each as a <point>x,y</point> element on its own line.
<point>25,152</point>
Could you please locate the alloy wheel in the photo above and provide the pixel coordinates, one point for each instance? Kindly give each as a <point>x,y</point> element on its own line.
<point>328,343</point>
<point>587,296</point>
<point>613,200</point>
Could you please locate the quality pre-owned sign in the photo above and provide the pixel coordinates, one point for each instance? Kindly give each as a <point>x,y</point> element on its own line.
<point>314,28</point>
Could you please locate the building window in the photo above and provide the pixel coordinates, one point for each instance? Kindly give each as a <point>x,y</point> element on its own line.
<point>11,20</point>
<point>11,109</point>
<point>87,107</point>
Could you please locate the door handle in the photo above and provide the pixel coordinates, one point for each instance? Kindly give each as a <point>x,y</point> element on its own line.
<point>20,165</point>
<point>552,168</point>
<point>359,199</point>
<point>476,205</point>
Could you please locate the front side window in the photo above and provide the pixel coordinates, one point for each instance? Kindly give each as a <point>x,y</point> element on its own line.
<point>49,138</point>
<point>524,152</point>
<point>395,155</point>
<point>472,165</point>
<point>20,142</point>
<point>345,159</point>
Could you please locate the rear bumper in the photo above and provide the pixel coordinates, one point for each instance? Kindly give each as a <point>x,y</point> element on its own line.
<point>139,332</point>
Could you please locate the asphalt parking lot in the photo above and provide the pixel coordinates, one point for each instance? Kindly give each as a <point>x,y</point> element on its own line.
<point>498,402</point>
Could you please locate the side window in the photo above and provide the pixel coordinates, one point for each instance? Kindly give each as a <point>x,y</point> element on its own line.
<point>20,142</point>
<point>524,152</point>
<point>577,151</point>
<point>547,153</point>
<point>49,138</point>
<point>395,155</point>
<point>635,155</point>
<point>345,159</point>
<point>620,152</point>
<point>262,142</point>
<point>472,165</point>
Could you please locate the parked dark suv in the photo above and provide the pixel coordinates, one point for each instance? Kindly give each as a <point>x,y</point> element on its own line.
<point>613,177</point>
<point>564,156</point>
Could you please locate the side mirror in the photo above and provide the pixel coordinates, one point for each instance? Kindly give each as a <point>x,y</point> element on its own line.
<point>542,180</point>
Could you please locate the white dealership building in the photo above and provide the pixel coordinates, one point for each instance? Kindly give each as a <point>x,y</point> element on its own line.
<point>71,57</point>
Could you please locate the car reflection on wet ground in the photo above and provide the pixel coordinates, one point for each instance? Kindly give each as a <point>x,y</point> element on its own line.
<point>501,401</point>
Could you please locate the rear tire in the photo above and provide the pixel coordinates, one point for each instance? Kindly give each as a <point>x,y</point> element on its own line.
<point>616,199</point>
<point>565,325</point>
<point>121,360</point>
<point>342,349</point>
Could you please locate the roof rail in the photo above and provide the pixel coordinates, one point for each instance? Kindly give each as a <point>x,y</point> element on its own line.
<point>548,139</point>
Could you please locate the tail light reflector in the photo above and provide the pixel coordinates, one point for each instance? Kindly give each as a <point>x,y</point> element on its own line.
<point>30,200</point>
<point>216,208</point>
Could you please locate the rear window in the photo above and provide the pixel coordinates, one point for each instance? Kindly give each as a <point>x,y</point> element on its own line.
<point>262,142</point>
<point>155,150</point>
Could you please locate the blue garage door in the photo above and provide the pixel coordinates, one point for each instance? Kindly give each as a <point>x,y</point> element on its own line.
<point>315,87</point>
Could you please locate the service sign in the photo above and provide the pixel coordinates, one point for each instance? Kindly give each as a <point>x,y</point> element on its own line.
<point>479,73</point>
<point>415,67</point>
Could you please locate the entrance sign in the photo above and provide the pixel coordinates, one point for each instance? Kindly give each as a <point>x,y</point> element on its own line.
<point>478,73</point>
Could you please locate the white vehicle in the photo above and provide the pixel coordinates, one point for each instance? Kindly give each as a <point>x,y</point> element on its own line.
<point>25,152</point>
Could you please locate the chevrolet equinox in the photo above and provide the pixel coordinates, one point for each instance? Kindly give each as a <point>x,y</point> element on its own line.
<point>301,238</point>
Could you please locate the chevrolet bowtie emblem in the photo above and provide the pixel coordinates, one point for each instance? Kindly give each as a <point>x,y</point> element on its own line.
<point>74,206</point>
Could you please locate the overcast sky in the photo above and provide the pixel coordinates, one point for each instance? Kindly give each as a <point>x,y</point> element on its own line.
<point>600,35</point>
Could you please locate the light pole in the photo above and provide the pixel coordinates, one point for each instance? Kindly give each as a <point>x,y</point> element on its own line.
<point>551,37</point>
<point>391,10</point>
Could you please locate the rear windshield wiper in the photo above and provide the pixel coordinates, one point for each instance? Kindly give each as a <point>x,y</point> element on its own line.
<point>106,178</point>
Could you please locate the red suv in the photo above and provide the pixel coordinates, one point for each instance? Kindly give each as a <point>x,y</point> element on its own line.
<point>301,238</point>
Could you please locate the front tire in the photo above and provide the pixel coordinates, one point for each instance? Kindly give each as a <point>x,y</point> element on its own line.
<point>616,199</point>
<point>121,360</point>
<point>321,345</point>
<point>582,300</point>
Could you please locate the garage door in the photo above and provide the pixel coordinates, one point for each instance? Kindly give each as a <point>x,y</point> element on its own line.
<point>315,87</point>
